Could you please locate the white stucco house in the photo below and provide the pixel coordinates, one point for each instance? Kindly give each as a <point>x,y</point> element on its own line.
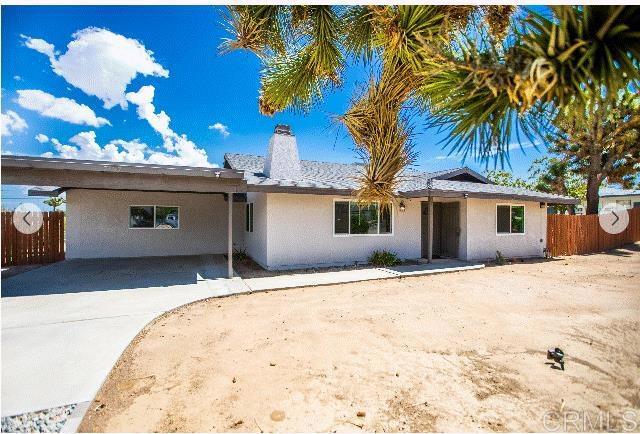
<point>623,197</point>
<point>286,213</point>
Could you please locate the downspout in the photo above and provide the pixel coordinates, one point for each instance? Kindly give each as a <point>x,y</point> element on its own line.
<point>230,236</point>
<point>430,223</point>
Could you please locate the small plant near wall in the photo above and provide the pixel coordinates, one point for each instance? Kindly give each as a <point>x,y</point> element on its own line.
<point>384,258</point>
<point>239,254</point>
<point>500,260</point>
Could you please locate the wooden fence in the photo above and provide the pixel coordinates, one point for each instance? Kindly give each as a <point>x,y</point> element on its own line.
<point>581,234</point>
<point>42,247</point>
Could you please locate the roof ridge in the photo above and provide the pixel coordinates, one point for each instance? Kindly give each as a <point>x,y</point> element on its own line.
<point>420,172</point>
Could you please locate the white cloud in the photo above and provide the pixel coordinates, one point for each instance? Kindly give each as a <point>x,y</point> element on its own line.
<point>42,138</point>
<point>59,108</point>
<point>175,143</point>
<point>40,45</point>
<point>11,122</point>
<point>221,128</point>
<point>448,157</point>
<point>17,78</point>
<point>143,99</point>
<point>514,146</point>
<point>83,146</point>
<point>101,63</point>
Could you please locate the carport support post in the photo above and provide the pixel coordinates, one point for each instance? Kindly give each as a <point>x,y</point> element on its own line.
<point>430,230</point>
<point>230,236</point>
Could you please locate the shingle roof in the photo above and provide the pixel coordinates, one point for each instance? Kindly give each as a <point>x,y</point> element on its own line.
<point>611,192</point>
<point>342,178</point>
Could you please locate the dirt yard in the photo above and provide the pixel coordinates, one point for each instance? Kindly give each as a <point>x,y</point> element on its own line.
<point>451,352</point>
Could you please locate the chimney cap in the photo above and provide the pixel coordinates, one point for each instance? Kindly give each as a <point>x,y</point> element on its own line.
<point>283,129</point>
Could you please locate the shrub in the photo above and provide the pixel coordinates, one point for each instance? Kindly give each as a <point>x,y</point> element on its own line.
<point>239,254</point>
<point>499,258</point>
<point>384,258</point>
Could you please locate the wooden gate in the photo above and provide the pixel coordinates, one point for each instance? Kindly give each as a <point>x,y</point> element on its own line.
<point>581,234</point>
<point>42,247</point>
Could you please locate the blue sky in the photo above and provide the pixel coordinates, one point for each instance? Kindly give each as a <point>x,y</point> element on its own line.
<point>193,85</point>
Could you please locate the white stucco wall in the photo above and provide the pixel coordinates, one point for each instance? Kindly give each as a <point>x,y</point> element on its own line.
<point>290,230</point>
<point>296,231</point>
<point>98,224</point>
<point>483,241</point>
<point>256,241</point>
<point>299,233</point>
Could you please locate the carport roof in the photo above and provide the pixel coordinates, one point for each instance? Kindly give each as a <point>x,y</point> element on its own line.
<point>119,167</point>
<point>69,173</point>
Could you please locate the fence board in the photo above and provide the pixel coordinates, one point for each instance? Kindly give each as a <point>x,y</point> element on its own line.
<point>42,247</point>
<point>582,234</point>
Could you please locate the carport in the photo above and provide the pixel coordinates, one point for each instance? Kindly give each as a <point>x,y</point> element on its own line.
<point>69,174</point>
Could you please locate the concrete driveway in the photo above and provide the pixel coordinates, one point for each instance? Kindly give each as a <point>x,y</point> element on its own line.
<point>65,325</point>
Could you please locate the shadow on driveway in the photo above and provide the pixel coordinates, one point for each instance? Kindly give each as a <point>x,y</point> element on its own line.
<point>90,275</point>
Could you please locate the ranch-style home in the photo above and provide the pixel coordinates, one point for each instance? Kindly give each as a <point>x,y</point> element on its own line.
<point>286,213</point>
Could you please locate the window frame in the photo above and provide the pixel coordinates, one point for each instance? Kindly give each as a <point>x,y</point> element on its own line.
<point>349,201</point>
<point>524,218</point>
<point>627,203</point>
<point>248,217</point>
<point>154,217</point>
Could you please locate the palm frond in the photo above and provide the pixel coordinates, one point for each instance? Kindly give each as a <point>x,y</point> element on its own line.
<point>382,135</point>
<point>256,28</point>
<point>585,47</point>
<point>359,34</point>
<point>296,80</point>
<point>498,19</point>
<point>409,30</point>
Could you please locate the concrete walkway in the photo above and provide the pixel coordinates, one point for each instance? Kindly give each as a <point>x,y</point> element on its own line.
<point>65,325</point>
<point>363,274</point>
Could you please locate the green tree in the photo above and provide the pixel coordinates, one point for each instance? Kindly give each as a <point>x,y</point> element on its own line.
<point>54,202</point>
<point>553,175</point>
<point>599,141</point>
<point>481,89</point>
<point>507,179</point>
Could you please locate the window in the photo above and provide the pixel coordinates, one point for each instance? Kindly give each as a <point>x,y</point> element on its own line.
<point>141,217</point>
<point>248,217</point>
<point>352,218</point>
<point>510,219</point>
<point>636,204</point>
<point>154,217</point>
<point>167,217</point>
<point>625,203</point>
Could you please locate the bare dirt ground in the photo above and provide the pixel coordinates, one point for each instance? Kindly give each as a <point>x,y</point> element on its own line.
<point>452,352</point>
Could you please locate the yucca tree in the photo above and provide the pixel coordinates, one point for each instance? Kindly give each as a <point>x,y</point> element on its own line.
<point>481,89</point>
<point>600,140</point>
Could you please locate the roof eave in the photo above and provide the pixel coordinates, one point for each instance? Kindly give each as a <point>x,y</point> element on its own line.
<point>28,162</point>
<point>40,192</point>
<point>481,195</point>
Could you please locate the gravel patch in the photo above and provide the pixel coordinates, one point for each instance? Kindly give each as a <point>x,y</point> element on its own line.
<point>49,420</point>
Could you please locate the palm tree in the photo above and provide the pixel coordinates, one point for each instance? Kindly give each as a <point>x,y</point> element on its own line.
<point>481,89</point>
<point>600,140</point>
<point>54,202</point>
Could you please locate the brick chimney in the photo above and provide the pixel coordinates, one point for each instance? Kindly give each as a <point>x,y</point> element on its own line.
<point>282,161</point>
